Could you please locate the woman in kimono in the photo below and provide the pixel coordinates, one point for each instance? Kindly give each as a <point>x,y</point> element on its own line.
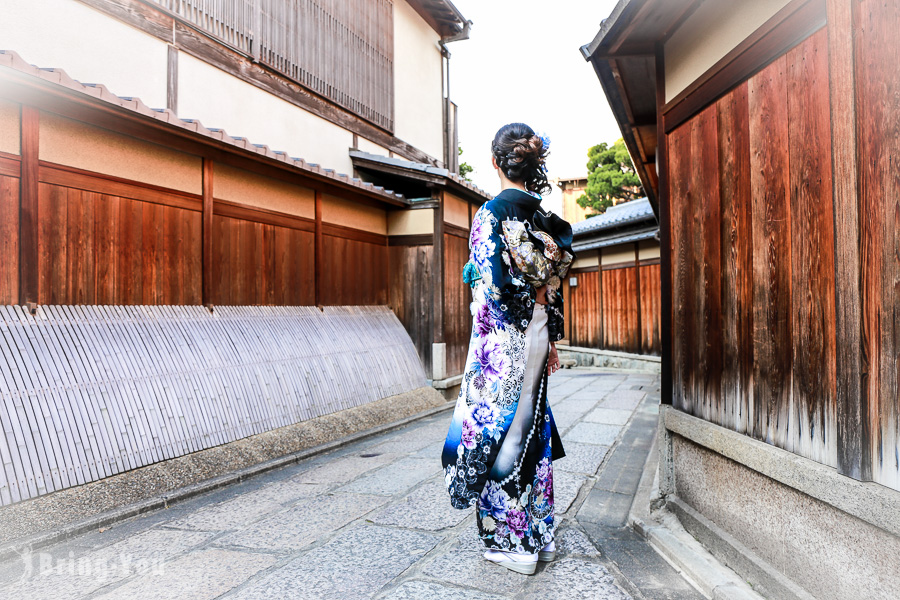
<point>499,451</point>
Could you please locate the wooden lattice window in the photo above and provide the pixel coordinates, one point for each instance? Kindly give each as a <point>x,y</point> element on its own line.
<point>340,49</point>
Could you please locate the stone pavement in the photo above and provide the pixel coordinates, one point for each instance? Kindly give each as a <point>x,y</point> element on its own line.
<point>373,520</point>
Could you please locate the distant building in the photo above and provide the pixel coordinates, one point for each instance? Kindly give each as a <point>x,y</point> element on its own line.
<point>572,189</point>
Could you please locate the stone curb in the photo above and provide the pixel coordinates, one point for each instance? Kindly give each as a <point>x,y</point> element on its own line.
<point>42,540</point>
<point>713,579</point>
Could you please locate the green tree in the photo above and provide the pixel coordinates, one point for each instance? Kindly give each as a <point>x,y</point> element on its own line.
<point>611,177</point>
<point>464,167</point>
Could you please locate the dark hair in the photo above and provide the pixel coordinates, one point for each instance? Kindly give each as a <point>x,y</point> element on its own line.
<point>521,155</point>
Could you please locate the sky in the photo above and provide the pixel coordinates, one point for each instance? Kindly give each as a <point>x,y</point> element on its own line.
<point>523,63</point>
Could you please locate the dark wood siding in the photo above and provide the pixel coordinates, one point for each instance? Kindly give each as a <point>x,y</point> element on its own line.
<point>752,257</point>
<point>620,309</point>
<point>410,280</point>
<point>261,263</point>
<point>457,297</point>
<point>650,306</point>
<point>878,130</point>
<point>9,240</point>
<point>100,249</point>
<point>584,309</point>
<point>353,271</point>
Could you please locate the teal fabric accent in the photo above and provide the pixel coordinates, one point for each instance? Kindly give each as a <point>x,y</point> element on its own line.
<point>470,274</point>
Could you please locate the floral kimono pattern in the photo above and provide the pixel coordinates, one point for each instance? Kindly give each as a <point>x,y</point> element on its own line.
<point>514,500</point>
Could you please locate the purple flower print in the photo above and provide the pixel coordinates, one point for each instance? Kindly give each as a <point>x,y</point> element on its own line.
<point>484,413</point>
<point>468,434</point>
<point>517,521</point>
<point>479,382</point>
<point>495,501</point>
<point>494,363</point>
<point>484,323</point>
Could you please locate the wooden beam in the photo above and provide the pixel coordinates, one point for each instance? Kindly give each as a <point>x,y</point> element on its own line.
<point>637,274</point>
<point>438,268</point>
<point>665,248</point>
<point>853,448</point>
<point>206,245</point>
<point>28,206</point>
<point>318,249</point>
<point>172,80</point>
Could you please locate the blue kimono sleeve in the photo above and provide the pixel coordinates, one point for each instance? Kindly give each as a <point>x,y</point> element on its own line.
<point>510,296</point>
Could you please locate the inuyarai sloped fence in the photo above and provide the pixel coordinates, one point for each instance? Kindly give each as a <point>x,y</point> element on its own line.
<point>92,391</point>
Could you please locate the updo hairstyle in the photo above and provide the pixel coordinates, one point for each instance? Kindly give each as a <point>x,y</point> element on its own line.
<point>521,156</point>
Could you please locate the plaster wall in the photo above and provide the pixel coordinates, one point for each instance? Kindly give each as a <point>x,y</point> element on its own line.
<point>88,46</point>
<point>720,26</point>
<point>352,214</point>
<point>589,258</point>
<point>238,185</point>
<point>411,222</point>
<point>456,211</point>
<point>418,101</point>
<point>648,249</point>
<point>10,127</point>
<point>73,143</point>
<point>615,255</point>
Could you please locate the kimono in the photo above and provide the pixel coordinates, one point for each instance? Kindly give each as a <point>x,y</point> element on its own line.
<point>502,440</point>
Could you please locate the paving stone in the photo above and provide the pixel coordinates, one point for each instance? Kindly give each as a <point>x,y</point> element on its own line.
<point>394,478</point>
<point>565,419</point>
<point>428,508</point>
<point>249,507</point>
<point>345,468</point>
<point>303,523</point>
<point>581,458</point>
<point>570,541</point>
<point>66,578</point>
<point>199,575</point>
<point>410,440</point>
<point>623,399</point>
<point>609,416</point>
<point>420,590</point>
<point>432,451</point>
<point>565,489</point>
<point>593,433</point>
<point>605,508</point>
<point>573,405</point>
<point>354,565</point>
<point>575,578</point>
<point>465,563</point>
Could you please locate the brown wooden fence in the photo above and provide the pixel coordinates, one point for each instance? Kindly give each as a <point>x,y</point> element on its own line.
<point>615,308</point>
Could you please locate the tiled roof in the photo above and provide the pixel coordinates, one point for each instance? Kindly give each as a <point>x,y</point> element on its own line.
<point>615,239</point>
<point>11,60</point>
<point>421,167</point>
<point>626,213</point>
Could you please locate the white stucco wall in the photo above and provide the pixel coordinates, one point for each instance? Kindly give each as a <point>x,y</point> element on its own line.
<point>87,45</point>
<point>721,26</point>
<point>220,100</point>
<point>418,111</point>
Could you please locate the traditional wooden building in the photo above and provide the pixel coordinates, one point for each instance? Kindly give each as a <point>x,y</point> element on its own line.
<point>167,287</point>
<point>613,287</point>
<point>765,134</point>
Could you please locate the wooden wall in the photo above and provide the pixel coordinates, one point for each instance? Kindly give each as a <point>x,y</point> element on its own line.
<point>457,298</point>
<point>96,239</point>
<point>753,262</point>
<point>615,308</point>
<point>411,280</point>
<point>877,49</point>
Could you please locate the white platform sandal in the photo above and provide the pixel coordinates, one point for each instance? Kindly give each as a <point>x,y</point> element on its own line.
<point>547,553</point>
<point>520,563</point>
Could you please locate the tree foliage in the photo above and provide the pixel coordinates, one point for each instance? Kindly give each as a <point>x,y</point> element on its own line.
<point>611,177</point>
<point>464,167</point>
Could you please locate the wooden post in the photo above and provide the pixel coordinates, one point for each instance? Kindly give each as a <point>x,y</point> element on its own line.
<point>28,207</point>
<point>853,435</point>
<point>317,250</point>
<point>665,262</point>
<point>601,317</point>
<point>637,274</point>
<point>207,233</point>
<point>172,80</point>
<point>438,267</point>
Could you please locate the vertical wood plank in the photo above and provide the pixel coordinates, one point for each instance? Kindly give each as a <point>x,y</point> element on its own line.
<point>130,281</point>
<point>813,428</point>
<point>209,266</point>
<point>769,177</point>
<point>28,212</point>
<point>9,240</point>
<point>318,257</point>
<point>737,265</point>
<point>106,248</point>
<point>639,342</point>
